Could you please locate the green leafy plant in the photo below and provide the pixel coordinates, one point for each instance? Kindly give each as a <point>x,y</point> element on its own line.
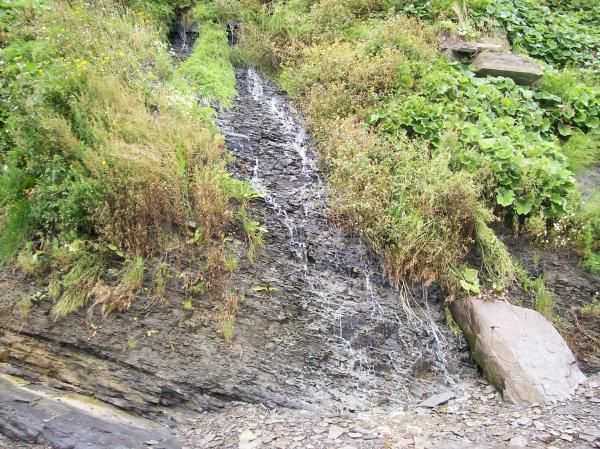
<point>502,138</point>
<point>254,236</point>
<point>469,280</point>
<point>197,289</point>
<point>557,36</point>
<point>570,104</point>
<point>187,305</point>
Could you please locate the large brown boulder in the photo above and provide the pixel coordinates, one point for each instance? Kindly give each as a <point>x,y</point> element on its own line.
<point>504,63</point>
<point>519,350</point>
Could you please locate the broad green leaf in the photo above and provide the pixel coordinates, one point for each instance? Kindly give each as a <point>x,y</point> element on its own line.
<point>592,122</point>
<point>523,207</point>
<point>505,197</point>
<point>564,130</point>
<point>470,275</point>
<point>504,153</point>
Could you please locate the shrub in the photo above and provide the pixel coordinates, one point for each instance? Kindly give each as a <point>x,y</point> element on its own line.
<point>409,205</point>
<point>570,104</point>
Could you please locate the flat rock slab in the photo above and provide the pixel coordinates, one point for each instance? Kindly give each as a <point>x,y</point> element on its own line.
<point>35,414</point>
<point>519,351</point>
<point>437,399</point>
<point>504,63</point>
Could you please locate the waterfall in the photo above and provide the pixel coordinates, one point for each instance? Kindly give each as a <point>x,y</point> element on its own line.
<point>376,343</point>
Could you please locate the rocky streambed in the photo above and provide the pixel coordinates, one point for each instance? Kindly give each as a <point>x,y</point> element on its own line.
<point>474,417</point>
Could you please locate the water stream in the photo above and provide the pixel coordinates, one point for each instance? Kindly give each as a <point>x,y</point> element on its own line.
<point>363,343</point>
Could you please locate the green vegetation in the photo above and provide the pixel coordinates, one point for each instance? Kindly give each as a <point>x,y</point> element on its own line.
<point>227,316</point>
<point>132,344</point>
<point>209,67</point>
<point>559,36</point>
<point>187,305</point>
<point>544,300</point>
<point>25,307</point>
<point>499,139</point>
<point>421,154</point>
<point>570,103</point>
<point>254,236</point>
<point>592,308</point>
<point>133,273</point>
<point>162,276</point>
<point>105,152</point>
<point>79,282</point>
<point>109,162</point>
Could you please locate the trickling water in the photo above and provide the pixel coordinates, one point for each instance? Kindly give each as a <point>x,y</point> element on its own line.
<point>359,341</point>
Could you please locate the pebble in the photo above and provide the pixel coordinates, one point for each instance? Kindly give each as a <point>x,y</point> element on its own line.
<point>413,429</point>
<point>335,432</point>
<point>473,424</point>
<point>419,442</point>
<point>586,437</point>
<point>566,437</point>
<point>518,441</point>
<point>524,421</point>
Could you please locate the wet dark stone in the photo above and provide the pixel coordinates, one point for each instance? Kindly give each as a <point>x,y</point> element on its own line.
<point>41,415</point>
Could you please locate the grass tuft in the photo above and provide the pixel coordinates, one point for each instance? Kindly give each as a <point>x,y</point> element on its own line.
<point>209,67</point>
<point>78,284</point>
<point>496,261</point>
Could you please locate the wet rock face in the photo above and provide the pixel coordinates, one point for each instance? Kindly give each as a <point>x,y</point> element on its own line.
<point>37,414</point>
<point>519,351</point>
<point>318,328</point>
<point>184,35</point>
<point>359,338</point>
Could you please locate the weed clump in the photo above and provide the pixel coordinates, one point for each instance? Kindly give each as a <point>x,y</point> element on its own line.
<point>209,67</point>
<point>78,283</point>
